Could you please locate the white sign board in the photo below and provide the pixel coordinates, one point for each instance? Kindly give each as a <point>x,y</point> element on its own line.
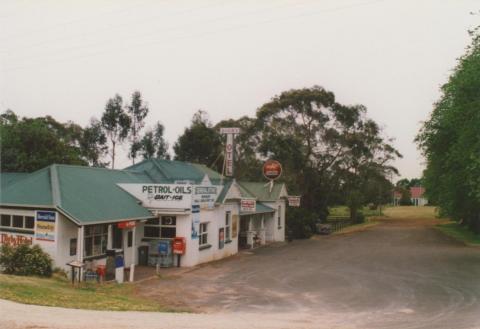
<point>172,196</point>
<point>229,130</point>
<point>294,201</point>
<point>248,205</point>
<point>205,196</point>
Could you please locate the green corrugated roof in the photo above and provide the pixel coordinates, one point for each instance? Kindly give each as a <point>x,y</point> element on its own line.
<point>91,194</point>
<point>167,171</point>
<point>34,189</point>
<point>85,194</point>
<point>260,208</point>
<point>9,178</point>
<point>261,191</point>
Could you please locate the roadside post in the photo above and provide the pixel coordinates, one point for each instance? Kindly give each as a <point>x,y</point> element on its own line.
<point>179,248</point>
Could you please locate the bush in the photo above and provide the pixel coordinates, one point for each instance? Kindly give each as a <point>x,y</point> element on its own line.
<point>25,260</point>
<point>301,223</point>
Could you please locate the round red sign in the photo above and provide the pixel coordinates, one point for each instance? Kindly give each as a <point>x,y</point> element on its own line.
<point>272,169</point>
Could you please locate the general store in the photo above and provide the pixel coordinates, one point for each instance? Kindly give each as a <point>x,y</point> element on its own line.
<point>155,213</point>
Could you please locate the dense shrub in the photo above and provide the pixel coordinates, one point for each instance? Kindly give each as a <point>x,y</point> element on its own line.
<point>301,223</point>
<point>25,260</point>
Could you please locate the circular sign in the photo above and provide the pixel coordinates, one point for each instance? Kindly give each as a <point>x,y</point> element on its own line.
<point>272,169</point>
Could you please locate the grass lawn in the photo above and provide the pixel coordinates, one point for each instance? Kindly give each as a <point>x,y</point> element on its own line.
<point>460,233</point>
<point>411,212</point>
<point>343,211</point>
<point>59,292</point>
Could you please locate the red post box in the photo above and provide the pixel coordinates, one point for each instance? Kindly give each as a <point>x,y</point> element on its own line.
<point>179,245</point>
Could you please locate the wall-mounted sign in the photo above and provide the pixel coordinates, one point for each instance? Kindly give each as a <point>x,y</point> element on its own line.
<point>248,205</point>
<point>272,169</point>
<point>15,240</point>
<point>293,201</point>
<point>221,238</point>
<point>174,196</point>
<point>195,221</point>
<point>229,149</point>
<point>206,196</point>
<point>127,224</point>
<point>45,225</point>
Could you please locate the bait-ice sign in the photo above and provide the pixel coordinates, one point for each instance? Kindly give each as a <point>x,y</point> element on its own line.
<point>175,196</point>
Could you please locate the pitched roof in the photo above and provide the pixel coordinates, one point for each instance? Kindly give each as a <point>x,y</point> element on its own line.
<point>8,178</point>
<point>262,192</point>
<point>417,192</point>
<point>85,194</point>
<point>260,208</point>
<point>167,171</point>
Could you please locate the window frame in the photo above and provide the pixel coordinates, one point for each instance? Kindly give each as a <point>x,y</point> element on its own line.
<point>160,226</point>
<point>228,225</point>
<point>94,235</point>
<point>203,234</point>
<point>279,218</point>
<point>11,227</point>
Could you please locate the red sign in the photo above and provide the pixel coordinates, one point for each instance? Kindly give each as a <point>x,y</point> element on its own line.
<point>272,169</point>
<point>128,224</point>
<point>248,205</point>
<point>15,240</point>
<point>179,245</point>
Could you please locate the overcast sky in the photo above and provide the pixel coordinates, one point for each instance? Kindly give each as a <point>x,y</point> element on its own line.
<point>66,58</point>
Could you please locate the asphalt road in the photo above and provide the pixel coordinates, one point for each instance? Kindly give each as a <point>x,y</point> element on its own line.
<point>398,274</point>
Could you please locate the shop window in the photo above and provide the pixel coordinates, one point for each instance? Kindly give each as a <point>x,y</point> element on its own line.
<point>164,228</point>
<point>279,216</point>
<point>129,239</point>
<point>29,222</point>
<point>18,221</point>
<point>73,247</point>
<point>96,240</point>
<point>203,234</point>
<point>6,220</point>
<point>228,223</point>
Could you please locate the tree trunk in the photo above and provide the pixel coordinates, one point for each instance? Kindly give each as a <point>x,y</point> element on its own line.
<point>113,155</point>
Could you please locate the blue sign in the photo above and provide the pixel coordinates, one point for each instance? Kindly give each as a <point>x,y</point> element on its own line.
<point>195,220</point>
<point>163,248</point>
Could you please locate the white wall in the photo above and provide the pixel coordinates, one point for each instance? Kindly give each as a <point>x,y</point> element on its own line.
<point>65,230</point>
<point>278,231</point>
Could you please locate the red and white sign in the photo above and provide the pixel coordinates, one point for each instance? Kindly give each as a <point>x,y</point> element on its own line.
<point>293,201</point>
<point>179,245</point>
<point>229,156</point>
<point>128,224</point>
<point>15,240</point>
<point>272,169</point>
<point>248,205</point>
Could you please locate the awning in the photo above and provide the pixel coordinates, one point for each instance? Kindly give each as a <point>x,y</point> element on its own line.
<point>260,208</point>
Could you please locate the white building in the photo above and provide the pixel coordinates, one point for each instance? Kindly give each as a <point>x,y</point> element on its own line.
<point>84,214</point>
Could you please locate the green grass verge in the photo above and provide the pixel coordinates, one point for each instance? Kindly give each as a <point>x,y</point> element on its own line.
<point>344,211</point>
<point>460,233</point>
<point>59,292</point>
<point>357,227</point>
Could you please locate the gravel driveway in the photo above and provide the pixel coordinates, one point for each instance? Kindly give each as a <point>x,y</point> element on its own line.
<point>398,274</point>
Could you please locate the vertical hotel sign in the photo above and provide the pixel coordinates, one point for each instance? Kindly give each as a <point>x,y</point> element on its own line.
<point>45,225</point>
<point>229,149</point>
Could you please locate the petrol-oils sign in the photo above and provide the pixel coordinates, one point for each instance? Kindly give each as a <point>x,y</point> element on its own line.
<point>174,196</point>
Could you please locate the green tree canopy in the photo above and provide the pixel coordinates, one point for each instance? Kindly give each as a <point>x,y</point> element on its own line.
<point>29,144</point>
<point>450,141</point>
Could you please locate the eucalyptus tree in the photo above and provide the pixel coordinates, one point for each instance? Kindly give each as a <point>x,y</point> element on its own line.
<point>325,147</point>
<point>116,124</point>
<point>137,110</point>
<point>153,144</point>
